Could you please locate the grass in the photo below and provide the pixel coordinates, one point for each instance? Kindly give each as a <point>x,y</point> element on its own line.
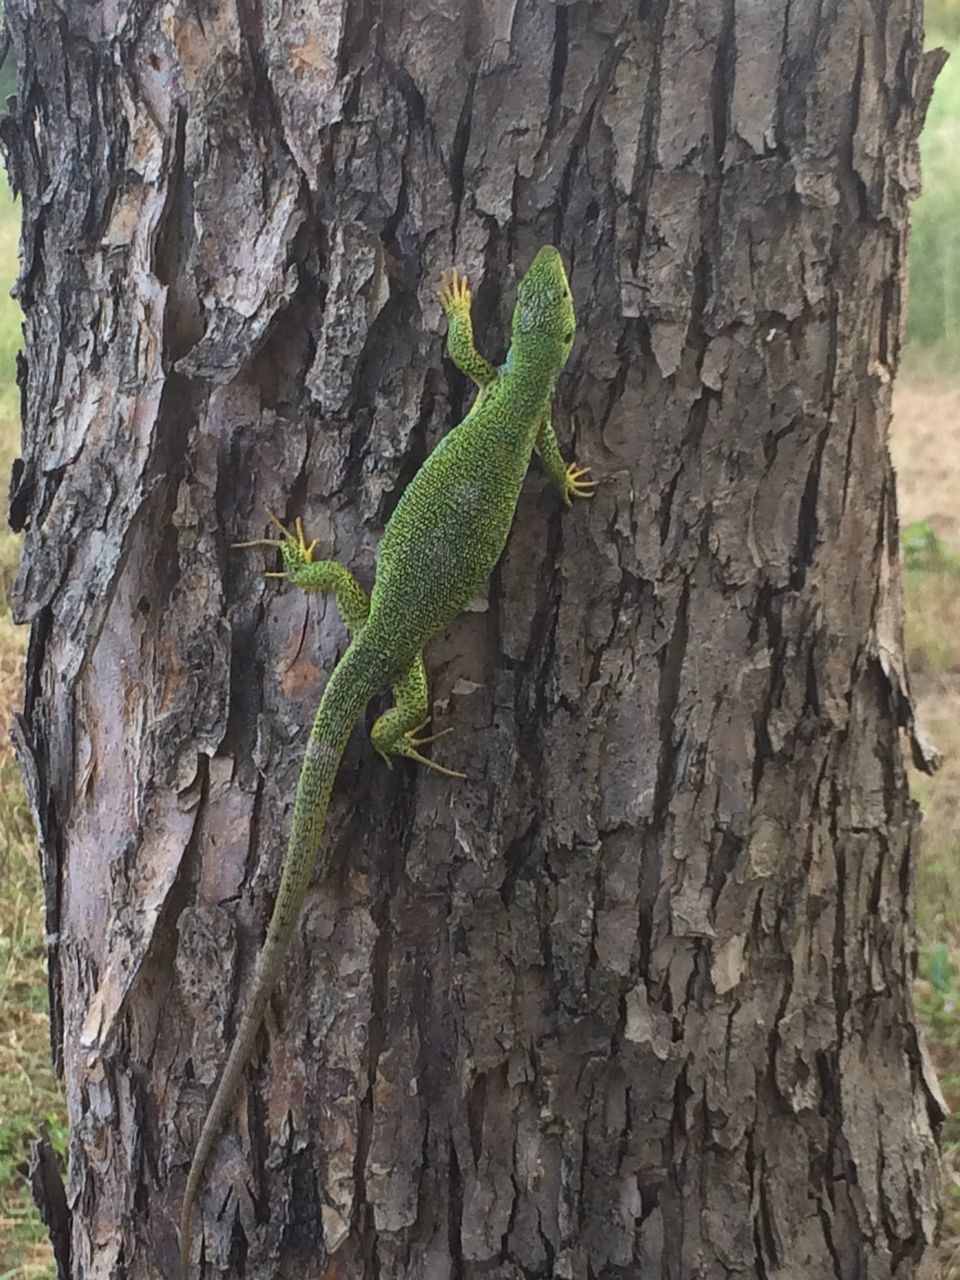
<point>933,322</point>
<point>933,644</point>
<point>925,439</point>
<point>932,593</point>
<point>29,1094</point>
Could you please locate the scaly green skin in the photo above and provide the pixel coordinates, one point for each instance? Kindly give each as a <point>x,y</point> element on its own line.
<point>438,550</point>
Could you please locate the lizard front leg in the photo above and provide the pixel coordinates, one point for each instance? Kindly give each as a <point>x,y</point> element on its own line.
<point>300,568</point>
<point>395,733</point>
<point>566,476</point>
<point>455,298</point>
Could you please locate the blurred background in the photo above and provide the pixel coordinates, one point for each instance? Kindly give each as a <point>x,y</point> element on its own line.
<point>925,443</point>
<point>28,1091</point>
<point>926,450</point>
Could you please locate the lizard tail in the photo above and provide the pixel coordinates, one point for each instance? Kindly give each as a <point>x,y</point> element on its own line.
<point>358,676</point>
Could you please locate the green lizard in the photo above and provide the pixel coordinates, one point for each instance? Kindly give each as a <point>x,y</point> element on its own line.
<point>438,549</point>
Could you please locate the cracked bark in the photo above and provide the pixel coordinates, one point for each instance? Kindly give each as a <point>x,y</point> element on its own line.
<point>634,998</point>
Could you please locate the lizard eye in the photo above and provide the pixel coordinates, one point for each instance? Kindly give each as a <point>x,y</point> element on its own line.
<point>568,337</point>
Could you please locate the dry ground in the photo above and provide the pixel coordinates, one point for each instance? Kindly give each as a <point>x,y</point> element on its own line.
<point>925,444</point>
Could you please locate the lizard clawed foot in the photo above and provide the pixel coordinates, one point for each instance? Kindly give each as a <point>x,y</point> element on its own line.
<point>411,753</point>
<point>296,543</point>
<point>576,485</point>
<point>455,291</point>
<point>293,545</point>
<point>431,737</point>
<point>409,745</point>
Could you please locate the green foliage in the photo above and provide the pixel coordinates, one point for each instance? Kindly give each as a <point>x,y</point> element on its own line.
<point>934,313</point>
<point>8,78</point>
<point>939,969</point>
<point>10,330</point>
<point>943,16</point>
<point>924,551</point>
<point>939,998</point>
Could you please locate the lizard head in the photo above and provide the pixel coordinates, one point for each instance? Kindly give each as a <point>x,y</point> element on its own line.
<point>543,319</point>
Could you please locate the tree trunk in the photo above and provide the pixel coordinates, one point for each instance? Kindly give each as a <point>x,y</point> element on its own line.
<point>634,998</point>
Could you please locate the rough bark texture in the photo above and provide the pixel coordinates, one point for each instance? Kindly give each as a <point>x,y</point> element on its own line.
<point>634,999</point>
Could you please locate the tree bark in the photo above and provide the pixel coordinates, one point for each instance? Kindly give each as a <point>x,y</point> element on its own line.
<point>634,999</point>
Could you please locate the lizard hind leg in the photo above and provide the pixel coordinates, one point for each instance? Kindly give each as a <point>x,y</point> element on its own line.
<point>397,731</point>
